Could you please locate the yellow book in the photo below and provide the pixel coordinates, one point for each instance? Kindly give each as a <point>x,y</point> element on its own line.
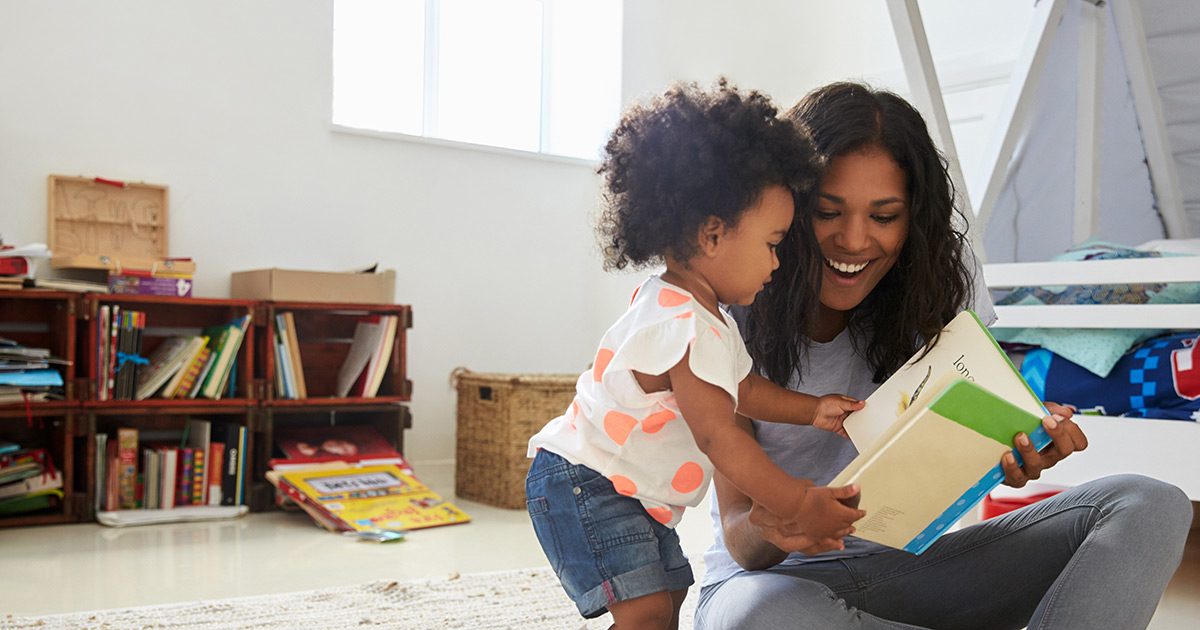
<point>371,497</point>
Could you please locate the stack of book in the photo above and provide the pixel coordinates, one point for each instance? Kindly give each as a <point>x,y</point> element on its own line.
<point>204,466</point>
<point>19,263</point>
<point>349,478</point>
<point>26,375</point>
<point>28,479</point>
<point>370,353</point>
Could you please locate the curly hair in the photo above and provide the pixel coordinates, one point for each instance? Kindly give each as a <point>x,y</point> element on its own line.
<point>688,155</point>
<point>930,281</point>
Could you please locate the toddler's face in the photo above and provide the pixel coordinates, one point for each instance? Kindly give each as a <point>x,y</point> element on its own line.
<point>746,257</point>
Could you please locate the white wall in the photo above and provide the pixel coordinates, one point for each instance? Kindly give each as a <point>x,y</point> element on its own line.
<point>228,104</point>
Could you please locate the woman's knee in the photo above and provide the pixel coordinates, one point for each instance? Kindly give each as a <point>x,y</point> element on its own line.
<point>1152,502</point>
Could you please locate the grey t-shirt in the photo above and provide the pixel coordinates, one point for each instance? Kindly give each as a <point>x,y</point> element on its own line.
<point>808,453</point>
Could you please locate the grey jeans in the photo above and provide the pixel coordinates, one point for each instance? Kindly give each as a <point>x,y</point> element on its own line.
<point>1096,556</point>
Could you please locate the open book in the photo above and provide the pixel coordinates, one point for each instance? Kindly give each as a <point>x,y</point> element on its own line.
<point>931,437</point>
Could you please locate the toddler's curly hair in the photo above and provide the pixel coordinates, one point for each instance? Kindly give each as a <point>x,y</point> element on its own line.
<point>687,155</point>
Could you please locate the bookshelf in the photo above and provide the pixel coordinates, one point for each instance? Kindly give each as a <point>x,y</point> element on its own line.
<point>45,320</point>
<point>69,324</point>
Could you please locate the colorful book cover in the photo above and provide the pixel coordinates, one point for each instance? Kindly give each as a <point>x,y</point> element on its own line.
<point>127,455</point>
<point>199,476</point>
<point>184,389</point>
<point>373,497</point>
<point>360,444</point>
<point>186,459</point>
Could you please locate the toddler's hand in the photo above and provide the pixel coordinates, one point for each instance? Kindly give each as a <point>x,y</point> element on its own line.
<point>831,410</point>
<point>823,517</point>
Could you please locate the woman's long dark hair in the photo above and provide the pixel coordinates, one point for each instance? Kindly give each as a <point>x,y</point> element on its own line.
<point>930,281</point>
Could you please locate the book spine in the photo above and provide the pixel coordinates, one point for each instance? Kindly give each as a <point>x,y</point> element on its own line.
<point>127,461</point>
<point>220,349</point>
<point>216,458</point>
<point>113,334</point>
<point>193,371</point>
<point>971,497</point>
<point>229,468</point>
<point>170,457</point>
<point>186,461</point>
<point>199,476</point>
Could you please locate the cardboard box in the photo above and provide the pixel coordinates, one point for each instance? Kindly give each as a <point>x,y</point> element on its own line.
<point>289,285</point>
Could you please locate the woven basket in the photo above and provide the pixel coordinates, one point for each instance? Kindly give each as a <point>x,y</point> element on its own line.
<point>497,414</point>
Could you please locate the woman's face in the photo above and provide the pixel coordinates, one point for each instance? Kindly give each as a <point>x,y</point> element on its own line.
<point>861,224</point>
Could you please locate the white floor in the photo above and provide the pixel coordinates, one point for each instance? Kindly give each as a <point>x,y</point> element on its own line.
<point>69,568</point>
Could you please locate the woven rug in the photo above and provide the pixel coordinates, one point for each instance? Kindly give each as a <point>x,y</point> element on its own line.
<point>525,599</point>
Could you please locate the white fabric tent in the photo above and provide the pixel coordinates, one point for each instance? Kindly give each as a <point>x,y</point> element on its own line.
<point>1100,131</point>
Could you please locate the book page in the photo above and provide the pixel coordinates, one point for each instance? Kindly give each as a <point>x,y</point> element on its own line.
<point>966,348</point>
<point>910,481</point>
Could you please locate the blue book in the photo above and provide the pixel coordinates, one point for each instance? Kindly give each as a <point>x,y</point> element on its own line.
<point>31,378</point>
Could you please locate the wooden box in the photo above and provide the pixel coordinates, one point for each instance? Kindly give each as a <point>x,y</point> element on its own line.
<point>105,224</point>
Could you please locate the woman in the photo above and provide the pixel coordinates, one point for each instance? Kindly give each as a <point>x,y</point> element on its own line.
<point>880,242</point>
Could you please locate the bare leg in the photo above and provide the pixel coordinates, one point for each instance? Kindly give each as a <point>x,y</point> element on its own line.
<point>656,611</point>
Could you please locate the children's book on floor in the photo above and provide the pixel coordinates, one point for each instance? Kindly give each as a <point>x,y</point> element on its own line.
<point>342,497</point>
<point>931,437</point>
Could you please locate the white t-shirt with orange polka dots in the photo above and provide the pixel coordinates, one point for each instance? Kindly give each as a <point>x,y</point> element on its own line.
<point>637,440</point>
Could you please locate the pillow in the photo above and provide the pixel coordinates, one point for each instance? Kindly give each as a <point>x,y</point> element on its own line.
<point>1096,350</point>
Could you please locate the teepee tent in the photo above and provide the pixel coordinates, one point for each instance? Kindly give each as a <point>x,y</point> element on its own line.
<point>1102,127</point>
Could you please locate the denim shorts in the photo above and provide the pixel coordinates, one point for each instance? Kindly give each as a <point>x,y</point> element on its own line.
<point>603,546</point>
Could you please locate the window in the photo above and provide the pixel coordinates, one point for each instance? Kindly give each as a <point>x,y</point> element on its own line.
<point>532,75</point>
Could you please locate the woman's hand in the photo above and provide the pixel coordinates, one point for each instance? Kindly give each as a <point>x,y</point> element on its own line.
<point>1066,438</point>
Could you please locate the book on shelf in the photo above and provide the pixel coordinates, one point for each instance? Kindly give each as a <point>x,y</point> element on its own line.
<point>46,480</point>
<point>42,500</point>
<point>362,371</point>
<point>198,438</point>
<point>167,360</point>
<point>197,346</point>
<point>284,380</point>
<point>354,498</point>
<point>190,374</point>
<point>127,450</point>
<point>354,444</point>
<point>216,460</point>
<point>931,437</point>
<point>233,465</point>
<point>293,355</point>
<point>224,343</point>
<point>100,474</point>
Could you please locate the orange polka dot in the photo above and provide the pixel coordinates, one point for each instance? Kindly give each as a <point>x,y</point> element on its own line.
<point>687,315</point>
<point>623,485</point>
<point>655,421</point>
<point>603,358</point>
<point>618,425</point>
<point>662,515</point>
<point>634,296</point>
<point>669,298</point>
<point>574,413</point>
<point>715,331</point>
<point>688,478</point>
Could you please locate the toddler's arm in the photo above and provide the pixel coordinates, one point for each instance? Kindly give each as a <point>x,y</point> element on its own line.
<point>708,411</point>
<point>761,399</point>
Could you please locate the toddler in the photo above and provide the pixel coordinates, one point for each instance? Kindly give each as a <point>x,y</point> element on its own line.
<point>703,182</point>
